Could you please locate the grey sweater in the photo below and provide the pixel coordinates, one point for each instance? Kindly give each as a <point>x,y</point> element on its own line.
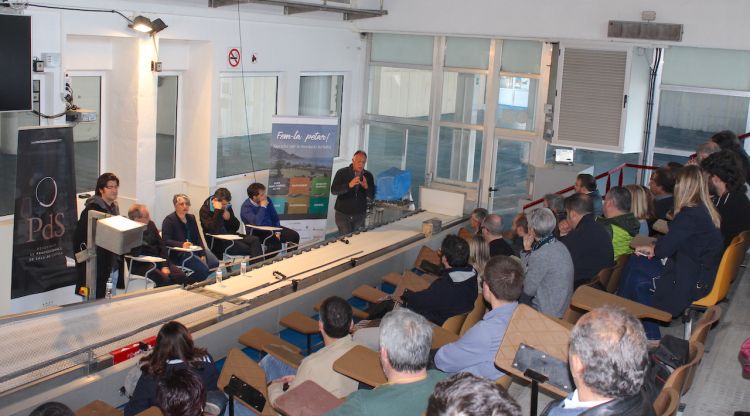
<point>549,278</point>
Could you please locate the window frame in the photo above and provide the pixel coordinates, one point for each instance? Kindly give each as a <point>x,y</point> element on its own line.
<point>344,97</point>
<point>279,79</point>
<point>178,131</point>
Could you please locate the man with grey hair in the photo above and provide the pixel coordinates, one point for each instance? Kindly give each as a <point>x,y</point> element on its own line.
<point>405,340</point>
<point>153,245</point>
<point>608,359</point>
<point>548,285</point>
<point>476,220</point>
<point>703,151</point>
<point>492,230</point>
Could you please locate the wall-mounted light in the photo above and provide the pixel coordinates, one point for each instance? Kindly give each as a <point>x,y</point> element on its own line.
<point>141,24</point>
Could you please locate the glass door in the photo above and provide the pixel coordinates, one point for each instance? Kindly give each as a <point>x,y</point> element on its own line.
<point>511,178</point>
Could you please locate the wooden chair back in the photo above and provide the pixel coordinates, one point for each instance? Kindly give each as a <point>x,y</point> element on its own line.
<point>247,370</point>
<point>704,325</point>
<point>454,323</point>
<point>666,402</point>
<point>465,234</point>
<point>475,315</point>
<point>678,380</point>
<point>614,278</point>
<point>601,280</point>
<point>426,253</point>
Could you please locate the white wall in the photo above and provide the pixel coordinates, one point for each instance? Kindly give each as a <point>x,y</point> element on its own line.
<point>708,24</point>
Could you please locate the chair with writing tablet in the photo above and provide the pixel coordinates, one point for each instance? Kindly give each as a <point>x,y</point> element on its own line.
<point>273,230</point>
<point>138,282</point>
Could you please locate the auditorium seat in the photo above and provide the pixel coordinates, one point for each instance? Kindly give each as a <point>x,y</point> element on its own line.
<point>454,323</point>
<point>728,268</point>
<point>369,294</point>
<point>601,280</point>
<point>704,325</point>
<point>465,234</point>
<point>475,315</point>
<point>679,377</point>
<point>303,324</point>
<point>257,339</point>
<point>98,408</point>
<point>426,254</point>
<point>614,278</point>
<point>241,366</point>
<point>667,402</point>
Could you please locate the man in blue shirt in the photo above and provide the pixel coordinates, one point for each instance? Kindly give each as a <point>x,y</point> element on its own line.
<point>259,210</point>
<point>475,352</point>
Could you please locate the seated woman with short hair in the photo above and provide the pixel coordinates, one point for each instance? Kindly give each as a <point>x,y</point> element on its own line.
<point>180,229</point>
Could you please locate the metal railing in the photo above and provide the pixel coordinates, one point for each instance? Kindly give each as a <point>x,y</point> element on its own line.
<point>608,174</point>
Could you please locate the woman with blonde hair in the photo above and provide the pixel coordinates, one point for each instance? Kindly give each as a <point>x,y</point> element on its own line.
<point>692,250</point>
<point>479,253</point>
<point>642,206</point>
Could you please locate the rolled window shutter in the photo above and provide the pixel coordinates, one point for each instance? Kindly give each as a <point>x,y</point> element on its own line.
<point>592,95</point>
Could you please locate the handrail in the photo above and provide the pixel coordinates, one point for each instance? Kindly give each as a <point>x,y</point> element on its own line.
<point>608,174</point>
<point>611,172</point>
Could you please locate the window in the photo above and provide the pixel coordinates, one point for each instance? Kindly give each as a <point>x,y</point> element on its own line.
<point>518,85</point>
<point>166,127</point>
<point>516,103</point>
<point>322,95</point>
<point>400,92</point>
<point>245,111</point>
<point>400,146</point>
<point>459,154</point>
<point>463,98</point>
<point>87,92</point>
<point>511,180</point>
<point>9,124</point>
<point>467,52</point>
<point>687,119</point>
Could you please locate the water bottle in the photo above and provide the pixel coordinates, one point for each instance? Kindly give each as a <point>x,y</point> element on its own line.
<point>108,290</point>
<point>243,267</point>
<point>219,275</point>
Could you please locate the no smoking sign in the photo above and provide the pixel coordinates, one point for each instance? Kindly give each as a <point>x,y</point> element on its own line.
<point>234,57</point>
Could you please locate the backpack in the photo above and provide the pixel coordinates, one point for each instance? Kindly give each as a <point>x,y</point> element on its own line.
<point>671,353</point>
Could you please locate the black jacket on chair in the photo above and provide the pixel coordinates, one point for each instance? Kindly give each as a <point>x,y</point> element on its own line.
<point>590,247</point>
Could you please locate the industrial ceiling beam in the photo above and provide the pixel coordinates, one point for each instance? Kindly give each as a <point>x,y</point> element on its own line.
<point>293,7</point>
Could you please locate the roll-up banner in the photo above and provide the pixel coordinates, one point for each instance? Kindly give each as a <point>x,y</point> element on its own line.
<point>299,183</point>
<point>45,216</point>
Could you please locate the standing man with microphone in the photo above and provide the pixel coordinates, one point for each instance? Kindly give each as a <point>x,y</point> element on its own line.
<point>352,185</point>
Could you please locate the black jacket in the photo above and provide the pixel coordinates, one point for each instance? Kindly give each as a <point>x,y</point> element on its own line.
<point>105,260</point>
<point>451,294</point>
<point>500,247</point>
<point>694,248</point>
<point>212,221</point>
<point>734,208</point>
<point>635,405</point>
<point>590,248</point>
<point>663,206</point>
<point>352,201</point>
